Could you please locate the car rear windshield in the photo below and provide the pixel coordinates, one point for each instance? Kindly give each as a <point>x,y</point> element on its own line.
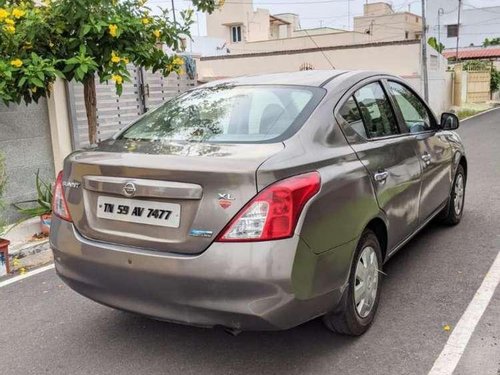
<point>224,113</point>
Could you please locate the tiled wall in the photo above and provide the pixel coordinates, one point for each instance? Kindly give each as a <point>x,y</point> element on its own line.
<point>25,142</point>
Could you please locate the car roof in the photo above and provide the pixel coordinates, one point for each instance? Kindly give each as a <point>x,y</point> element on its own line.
<point>316,78</point>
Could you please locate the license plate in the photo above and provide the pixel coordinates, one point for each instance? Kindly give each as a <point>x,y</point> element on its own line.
<point>139,211</point>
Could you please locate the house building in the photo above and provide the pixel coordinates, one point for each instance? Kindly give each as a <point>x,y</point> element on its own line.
<point>383,24</point>
<point>382,40</point>
<point>476,23</point>
<point>245,30</point>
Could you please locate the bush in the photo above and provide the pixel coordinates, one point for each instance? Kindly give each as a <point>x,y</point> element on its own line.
<point>464,113</point>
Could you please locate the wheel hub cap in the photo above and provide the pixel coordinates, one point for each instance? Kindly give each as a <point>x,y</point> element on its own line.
<point>366,282</point>
<point>459,194</point>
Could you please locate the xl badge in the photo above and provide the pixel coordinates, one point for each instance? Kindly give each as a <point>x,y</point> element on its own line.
<point>225,200</point>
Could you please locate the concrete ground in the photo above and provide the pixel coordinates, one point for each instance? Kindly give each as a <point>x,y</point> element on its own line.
<point>47,328</point>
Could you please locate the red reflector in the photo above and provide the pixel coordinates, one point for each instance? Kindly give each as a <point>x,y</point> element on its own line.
<point>59,204</point>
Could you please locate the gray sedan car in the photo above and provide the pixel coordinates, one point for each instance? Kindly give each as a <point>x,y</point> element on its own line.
<point>258,203</point>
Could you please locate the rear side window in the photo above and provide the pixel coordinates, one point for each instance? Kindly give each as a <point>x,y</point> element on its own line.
<point>350,113</point>
<point>376,111</point>
<point>240,114</point>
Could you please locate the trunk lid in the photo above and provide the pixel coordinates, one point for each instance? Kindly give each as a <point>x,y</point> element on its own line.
<point>199,186</point>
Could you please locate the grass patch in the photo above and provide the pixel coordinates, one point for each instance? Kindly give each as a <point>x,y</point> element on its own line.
<point>464,113</point>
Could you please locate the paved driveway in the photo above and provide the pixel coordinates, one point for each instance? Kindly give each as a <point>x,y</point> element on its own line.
<point>47,328</point>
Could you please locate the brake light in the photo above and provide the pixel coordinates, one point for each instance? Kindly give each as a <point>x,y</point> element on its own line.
<point>59,204</point>
<point>273,213</point>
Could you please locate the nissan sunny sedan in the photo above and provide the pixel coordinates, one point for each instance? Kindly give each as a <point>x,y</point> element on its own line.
<point>258,203</point>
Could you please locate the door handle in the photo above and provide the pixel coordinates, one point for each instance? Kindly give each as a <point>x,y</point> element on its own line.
<point>426,157</point>
<point>381,176</point>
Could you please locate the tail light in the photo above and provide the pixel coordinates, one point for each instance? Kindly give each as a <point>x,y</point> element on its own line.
<point>273,213</point>
<point>59,204</point>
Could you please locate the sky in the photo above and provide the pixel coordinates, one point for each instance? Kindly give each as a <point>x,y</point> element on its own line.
<point>316,13</point>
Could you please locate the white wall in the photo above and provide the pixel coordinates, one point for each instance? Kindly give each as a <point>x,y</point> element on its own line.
<point>476,24</point>
<point>397,58</point>
<point>402,59</point>
<point>295,43</point>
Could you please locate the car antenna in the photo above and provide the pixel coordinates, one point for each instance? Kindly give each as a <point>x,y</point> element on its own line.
<point>321,49</point>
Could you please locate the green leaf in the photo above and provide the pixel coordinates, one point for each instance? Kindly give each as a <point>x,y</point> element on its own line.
<point>85,30</point>
<point>79,74</point>
<point>72,61</point>
<point>37,82</point>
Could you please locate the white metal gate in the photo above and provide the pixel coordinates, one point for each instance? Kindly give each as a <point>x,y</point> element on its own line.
<point>147,90</point>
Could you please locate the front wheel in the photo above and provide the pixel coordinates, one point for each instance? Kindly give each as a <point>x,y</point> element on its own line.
<point>363,292</point>
<point>452,213</point>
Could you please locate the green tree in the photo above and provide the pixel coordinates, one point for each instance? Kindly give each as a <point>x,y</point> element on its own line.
<point>432,41</point>
<point>79,39</point>
<point>491,42</point>
<point>495,79</point>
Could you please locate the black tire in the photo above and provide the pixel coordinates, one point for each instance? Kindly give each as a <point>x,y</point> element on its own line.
<point>449,216</point>
<point>348,321</point>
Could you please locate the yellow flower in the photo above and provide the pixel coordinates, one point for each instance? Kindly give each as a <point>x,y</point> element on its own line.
<point>18,13</point>
<point>157,33</point>
<point>125,60</point>
<point>178,60</point>
<point>112,30</point>
<point>9,21</point>
<point>3,13</point>
<point>115,58</point>
<point>118,79</point>
<point>10,29</point>
<point>16,63</point>
<point>145,20</point>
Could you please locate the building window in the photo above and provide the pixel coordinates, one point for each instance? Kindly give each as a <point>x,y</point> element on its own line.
<point>407,34</point>
<point>452,31</point>
<point>235,34</point>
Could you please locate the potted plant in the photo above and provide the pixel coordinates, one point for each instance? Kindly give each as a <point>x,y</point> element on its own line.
<point>4,243</point>
<point>42,206</point>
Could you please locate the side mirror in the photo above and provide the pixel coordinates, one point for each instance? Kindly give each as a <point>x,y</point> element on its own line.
<point>449,121</point>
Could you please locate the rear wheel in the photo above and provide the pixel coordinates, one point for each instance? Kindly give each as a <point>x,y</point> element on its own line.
<point>363,293</point>
<point>452,213</point>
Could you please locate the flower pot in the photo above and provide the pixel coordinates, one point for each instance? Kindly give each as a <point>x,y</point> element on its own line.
<point>45,221</point>
<point>4,256</point>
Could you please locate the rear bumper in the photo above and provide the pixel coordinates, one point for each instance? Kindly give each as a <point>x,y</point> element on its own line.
<point>244,286</point>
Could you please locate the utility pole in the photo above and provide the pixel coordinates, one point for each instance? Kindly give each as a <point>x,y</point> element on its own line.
<point>173,11</point>
<point>424,53</point>
<point>348,14</point>
<point>458,28</point>
<point>440,13</point>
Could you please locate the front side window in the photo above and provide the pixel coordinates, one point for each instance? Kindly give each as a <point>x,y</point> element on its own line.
<point>225,113</point>
<point>236,34</point>
<point>376,111</point>
<point>415,114</point>
<point>350,113</point>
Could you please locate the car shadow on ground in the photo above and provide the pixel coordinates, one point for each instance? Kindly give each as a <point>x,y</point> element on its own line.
<point>161,344</point>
